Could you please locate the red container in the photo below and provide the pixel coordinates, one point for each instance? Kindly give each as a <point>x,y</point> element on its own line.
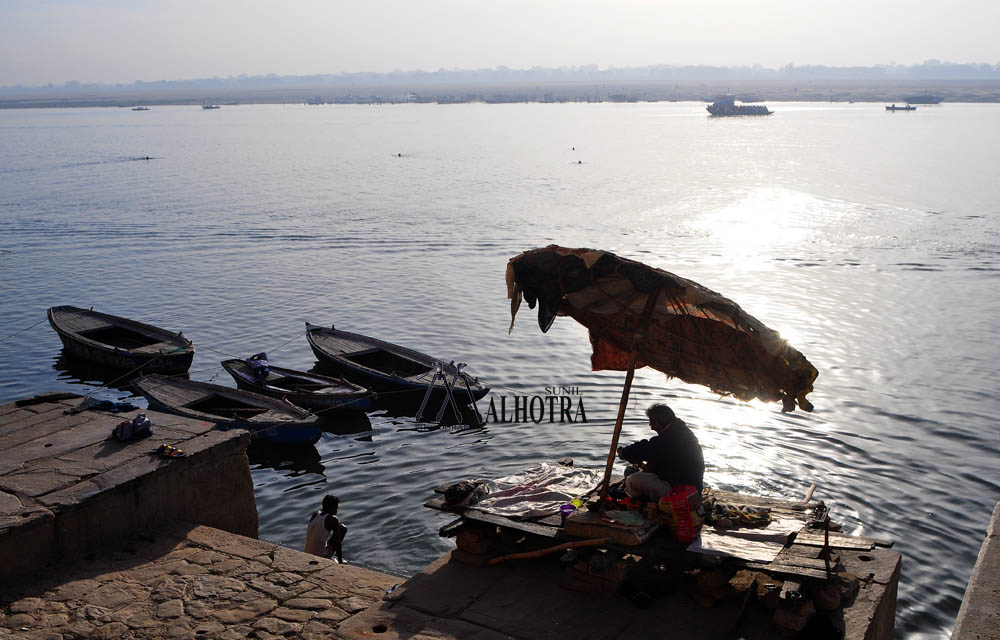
<point>682,512</point>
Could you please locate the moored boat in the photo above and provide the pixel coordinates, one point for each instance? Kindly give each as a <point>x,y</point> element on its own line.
<point>394,371</point>
<point>267,419</point>
<point>112,341</point>
<point>304,389</point>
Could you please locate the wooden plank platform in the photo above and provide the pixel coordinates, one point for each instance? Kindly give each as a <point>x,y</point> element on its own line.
<point>800,556</point>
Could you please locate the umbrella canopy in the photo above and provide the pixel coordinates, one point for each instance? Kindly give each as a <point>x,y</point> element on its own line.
<point>641,316</point>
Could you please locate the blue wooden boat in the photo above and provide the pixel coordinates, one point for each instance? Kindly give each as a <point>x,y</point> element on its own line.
<point>267,419</point>
<point>303,389</point>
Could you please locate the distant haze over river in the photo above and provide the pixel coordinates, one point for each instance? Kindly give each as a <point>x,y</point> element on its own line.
<point>587,83</point>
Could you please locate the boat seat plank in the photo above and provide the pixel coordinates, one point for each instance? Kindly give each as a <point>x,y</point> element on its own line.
<point>362,352</point>
<point>83,323</point>
<point>342,345</point>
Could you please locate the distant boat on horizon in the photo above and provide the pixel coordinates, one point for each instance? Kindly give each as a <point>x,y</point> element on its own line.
<point>140,108</point>
<point>210,106</point>
<point>893,107</point>
<point>726,106</point>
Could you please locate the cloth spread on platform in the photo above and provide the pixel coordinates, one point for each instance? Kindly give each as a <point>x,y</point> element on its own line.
<point>537,491</point>
<point>755,545</point>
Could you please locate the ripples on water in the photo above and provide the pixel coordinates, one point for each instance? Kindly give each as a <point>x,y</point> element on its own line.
<point>870,241</point>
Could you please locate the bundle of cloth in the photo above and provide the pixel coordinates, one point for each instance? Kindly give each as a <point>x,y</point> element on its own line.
<point>726,515</point>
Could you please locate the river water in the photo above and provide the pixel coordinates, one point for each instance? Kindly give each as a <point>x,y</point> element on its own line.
<point>868,239</point>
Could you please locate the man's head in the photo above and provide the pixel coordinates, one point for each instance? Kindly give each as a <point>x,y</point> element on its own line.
<point>330,504</point>
<point>660,417</point>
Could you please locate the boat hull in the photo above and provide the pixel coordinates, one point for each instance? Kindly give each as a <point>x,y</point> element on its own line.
<point>352,399</point>
<point>392,389</point>
<point>738,111</point>
<point>167,352</point>
<point>270,420</point>
<point>281,434</point>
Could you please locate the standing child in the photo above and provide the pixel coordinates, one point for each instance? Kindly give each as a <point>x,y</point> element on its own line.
<point>325,533</point>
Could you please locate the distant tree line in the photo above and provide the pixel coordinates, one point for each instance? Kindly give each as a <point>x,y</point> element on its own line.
<point>931,70</point>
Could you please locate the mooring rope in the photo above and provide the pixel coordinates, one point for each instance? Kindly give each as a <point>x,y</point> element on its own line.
<point>23,330</point>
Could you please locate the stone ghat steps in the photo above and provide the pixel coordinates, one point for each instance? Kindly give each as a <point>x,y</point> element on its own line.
<point>188,581</point>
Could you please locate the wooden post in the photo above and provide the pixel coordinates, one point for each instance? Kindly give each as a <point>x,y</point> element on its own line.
<point>606,481</point>
<point>826,552</point>
<point>809,494</point>
<point>633,356</point>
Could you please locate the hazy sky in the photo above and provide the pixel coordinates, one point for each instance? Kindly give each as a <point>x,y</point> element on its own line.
<point>44,41</point>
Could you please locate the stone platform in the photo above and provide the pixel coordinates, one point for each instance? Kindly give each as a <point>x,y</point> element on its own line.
<point>67,488</point>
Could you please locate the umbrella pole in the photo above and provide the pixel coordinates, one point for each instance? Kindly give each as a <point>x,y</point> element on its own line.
<point>618,425</point>
<point>632,357</point>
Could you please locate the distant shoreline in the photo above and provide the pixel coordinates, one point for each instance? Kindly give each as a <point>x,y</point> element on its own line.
<point>864,95</point>
<point>953,82</point>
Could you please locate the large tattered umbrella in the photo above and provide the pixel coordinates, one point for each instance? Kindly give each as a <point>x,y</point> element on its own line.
<point>641,316</point>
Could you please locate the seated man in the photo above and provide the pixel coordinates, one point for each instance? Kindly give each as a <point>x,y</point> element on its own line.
<point>670,458</point>
<point>325,533</point>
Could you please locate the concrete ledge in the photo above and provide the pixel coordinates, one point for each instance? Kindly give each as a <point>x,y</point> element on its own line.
<point>67,489</point>
<point>979,616</point>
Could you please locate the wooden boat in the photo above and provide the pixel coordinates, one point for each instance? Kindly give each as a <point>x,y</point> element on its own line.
<point>267,419</point>
<point>394,371</point>
<point>308,390</point>
<point>120,343</point>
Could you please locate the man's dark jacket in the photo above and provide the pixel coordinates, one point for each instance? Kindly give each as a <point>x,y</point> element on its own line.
<point>674,455</point>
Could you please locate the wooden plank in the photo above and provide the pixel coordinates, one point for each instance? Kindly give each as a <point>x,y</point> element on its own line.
<point>787,570</point>
<point>548,527</point>
<point>527,527</point>
<point>837,541</point>
<point>437,504</point>
<point>450,530</point>
<point>803,551</point>
<point>798,561</point>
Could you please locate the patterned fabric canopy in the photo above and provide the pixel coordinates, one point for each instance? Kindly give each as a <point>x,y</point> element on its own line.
<point>687,331</point>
